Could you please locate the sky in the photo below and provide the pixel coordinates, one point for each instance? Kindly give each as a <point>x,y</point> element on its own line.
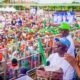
<point>54,1</point>
<point>48,1</point>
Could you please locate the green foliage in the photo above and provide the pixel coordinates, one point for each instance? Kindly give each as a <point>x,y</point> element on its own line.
<point>20,7</point>
<point>60,8</point>
<point>6,1</point>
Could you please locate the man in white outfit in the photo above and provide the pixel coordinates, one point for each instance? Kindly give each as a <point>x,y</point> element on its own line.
<point>56,60</point>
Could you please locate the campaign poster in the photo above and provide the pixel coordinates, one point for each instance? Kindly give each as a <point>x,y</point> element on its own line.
<point>64,16</point>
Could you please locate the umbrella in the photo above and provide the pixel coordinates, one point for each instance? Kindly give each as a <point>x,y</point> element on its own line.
<point>10,9</point>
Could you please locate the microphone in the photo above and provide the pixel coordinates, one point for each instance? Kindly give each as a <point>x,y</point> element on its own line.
<point>47,63</point>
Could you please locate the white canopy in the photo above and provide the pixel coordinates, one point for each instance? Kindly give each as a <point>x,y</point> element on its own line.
<point>2,9</point>
<point>8,9</point>
<point>40,12</point>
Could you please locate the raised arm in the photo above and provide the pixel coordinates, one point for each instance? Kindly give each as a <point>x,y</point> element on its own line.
<point>73,62</point>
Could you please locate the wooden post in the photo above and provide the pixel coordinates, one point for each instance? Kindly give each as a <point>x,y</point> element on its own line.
<point>5,66</point>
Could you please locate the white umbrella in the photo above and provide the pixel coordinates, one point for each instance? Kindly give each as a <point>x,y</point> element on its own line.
<point>40,12</point>
<point>10,9</point>
<point>7,9</point>
<point>13,9</point>
<point>2,9</point>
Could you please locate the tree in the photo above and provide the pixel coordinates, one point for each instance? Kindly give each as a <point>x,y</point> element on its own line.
<point>6,1</point>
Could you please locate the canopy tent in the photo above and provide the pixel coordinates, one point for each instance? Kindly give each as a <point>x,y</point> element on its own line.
<point>40,12</point>
<point>8,9</point>
<point>42,4</point>
<point>2,9</point>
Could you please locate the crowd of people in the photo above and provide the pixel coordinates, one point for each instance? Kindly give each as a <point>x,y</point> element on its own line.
<point>22,27</point>
<point>17,31</point>
<point>18,39</point>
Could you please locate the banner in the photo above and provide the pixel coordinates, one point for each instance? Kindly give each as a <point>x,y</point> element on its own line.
<point>68,17</point>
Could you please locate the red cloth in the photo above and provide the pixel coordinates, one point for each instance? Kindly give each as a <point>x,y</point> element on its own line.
<point>1,57</point>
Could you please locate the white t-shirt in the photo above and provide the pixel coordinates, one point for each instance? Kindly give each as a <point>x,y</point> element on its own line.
<point>3,20</point>
<point>31,49</point>
<point>59,19</point>
<point>24,78</point>
<point>55,18</point>
<point>72,47</point>
<point>14,55</point>
<point>56,60</point>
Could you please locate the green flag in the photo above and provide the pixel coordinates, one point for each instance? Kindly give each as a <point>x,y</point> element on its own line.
<point>42,51</point>
<point>19,44</point>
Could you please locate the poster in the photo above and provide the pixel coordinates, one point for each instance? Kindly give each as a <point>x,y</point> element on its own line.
<point>64,16</point>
